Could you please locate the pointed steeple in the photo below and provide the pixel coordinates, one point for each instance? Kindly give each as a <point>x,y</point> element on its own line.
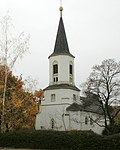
<point>61,44</point>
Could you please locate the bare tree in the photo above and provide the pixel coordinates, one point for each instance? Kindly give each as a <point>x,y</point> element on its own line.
<point>11,49</point>
<point>31,85</point>
<point>104,81</point>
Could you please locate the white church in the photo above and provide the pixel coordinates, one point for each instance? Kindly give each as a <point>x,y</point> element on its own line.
<point>61,109</point>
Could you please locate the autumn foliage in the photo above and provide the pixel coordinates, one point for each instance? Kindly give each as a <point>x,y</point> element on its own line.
<point>20,106</point>
<point>117,119</point>
<point>39,96</point>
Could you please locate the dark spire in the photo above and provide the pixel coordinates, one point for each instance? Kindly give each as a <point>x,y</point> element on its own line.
<point>61,44</point>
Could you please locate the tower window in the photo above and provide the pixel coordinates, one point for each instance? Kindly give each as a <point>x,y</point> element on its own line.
<point>56,79</point>
<point>71,72</point>
<point>55,69</point>
<point>55,72</point>
<point>52,97</point>
<point>70,69</point>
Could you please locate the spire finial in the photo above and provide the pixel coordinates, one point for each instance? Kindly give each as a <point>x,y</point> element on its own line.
<point>61,8</point>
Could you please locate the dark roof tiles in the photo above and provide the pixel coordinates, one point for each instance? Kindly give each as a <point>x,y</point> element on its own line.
<point>62,86</point>
<point>61,44</point>
<point>91,108</point>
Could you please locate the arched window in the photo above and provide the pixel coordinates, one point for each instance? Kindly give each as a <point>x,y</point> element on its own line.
<point>91,121</point>
<point>71,69</point>
<point>55,71</point>
<point>52,123</point>
<point>71,72</point>
<point>55,68</point>
<point>86,120</point>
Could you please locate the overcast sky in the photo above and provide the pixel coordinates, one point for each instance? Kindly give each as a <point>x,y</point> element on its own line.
<point>92,29</point>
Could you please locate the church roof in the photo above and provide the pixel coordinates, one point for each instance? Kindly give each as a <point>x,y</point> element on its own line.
<point>61,44</point>
<point>62,86</point>
<point>92,108</point>
<point>74,107</point>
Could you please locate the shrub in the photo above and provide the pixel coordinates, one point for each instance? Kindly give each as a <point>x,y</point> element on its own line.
<point>112,129</point>
<point>74,140</point>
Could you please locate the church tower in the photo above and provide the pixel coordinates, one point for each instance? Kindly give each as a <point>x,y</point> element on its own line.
<point>61,69</point>
<point>61,91</point>
<point>61,57</point>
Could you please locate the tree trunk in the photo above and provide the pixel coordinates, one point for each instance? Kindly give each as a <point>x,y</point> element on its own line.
<point>3,103</point>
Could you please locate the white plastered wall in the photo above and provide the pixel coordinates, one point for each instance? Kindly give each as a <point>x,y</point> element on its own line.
<point>62,96</point>
<point>63,68</point>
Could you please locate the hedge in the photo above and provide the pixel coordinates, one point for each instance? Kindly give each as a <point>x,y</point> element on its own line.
<point>74,140</point>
